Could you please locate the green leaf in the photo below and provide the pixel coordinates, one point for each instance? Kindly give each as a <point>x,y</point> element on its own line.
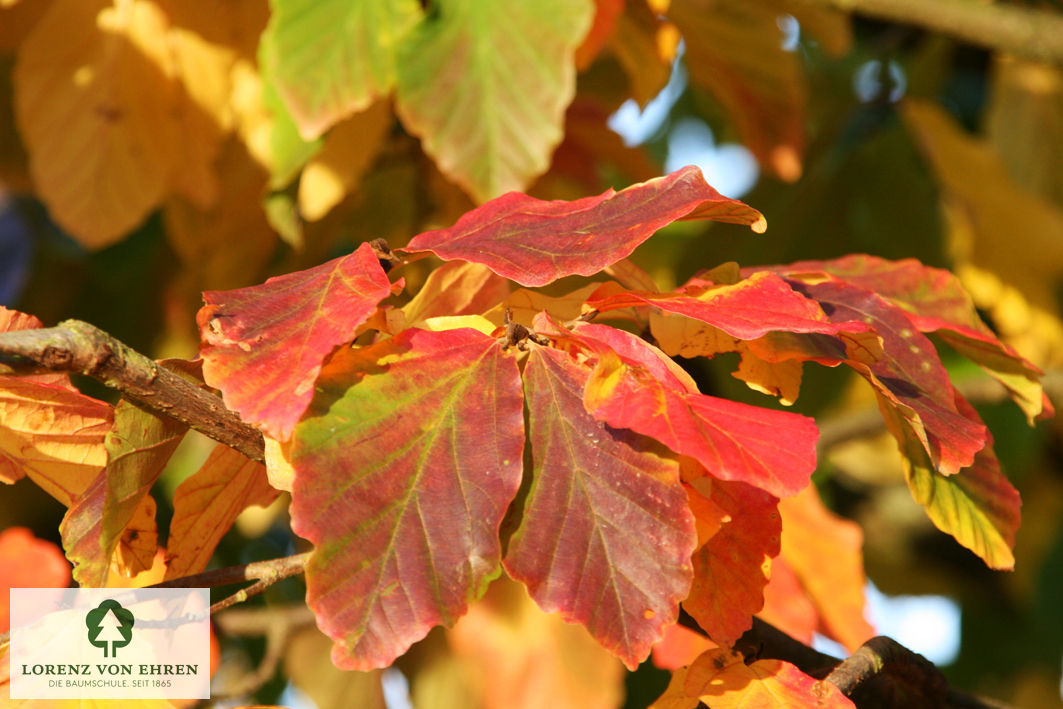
<point>332,58</point>
<point>404,467</point>
<point>485,86</point>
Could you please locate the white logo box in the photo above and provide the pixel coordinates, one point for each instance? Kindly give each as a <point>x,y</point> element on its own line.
<point>109,643</point>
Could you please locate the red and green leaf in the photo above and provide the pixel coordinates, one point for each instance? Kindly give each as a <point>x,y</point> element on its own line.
<point>535,242</point>
<point>263,346</point>
<point>606,534</point>
<point>405,464</point>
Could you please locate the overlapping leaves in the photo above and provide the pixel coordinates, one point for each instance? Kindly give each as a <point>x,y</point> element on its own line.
<point>409,460</point>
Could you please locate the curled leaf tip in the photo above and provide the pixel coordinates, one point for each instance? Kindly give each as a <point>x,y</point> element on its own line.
<point>760,226</point>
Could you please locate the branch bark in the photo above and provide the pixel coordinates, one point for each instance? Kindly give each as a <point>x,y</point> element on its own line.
<point>1026,32</point>
<point>77,347</point>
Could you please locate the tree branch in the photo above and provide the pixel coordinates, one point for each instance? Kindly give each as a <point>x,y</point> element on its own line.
<point>1026,32</point>
<point>270,572</point>
<point>78,347</point>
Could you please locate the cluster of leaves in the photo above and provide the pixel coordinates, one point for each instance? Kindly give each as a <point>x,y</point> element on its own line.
<point>480,427</point>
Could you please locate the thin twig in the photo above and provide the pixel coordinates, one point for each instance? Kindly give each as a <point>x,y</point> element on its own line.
<point>1024,31</point>
<point>270,571</point>
<point>76,346</point>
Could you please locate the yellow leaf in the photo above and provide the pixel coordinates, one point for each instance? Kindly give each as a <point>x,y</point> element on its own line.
<point>781,379</point>
<point>139,541</point>
<point>452,322</point>
<point>645,45</point>
<point>347,152</point>
<point>52,435</point>
<point>1007,243</point>
<point>97,108</point>
<point>206,505</point>
<point>525,304</point>
<point>16,21</point>
<point>279,471</point>
<point>457,288</point>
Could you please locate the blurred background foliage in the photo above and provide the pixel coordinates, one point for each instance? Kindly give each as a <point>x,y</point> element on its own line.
<point>153,149</point>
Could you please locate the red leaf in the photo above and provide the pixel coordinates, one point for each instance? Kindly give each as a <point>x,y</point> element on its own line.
<point>749,309</point>
<point>535,242</point>
<point>909,377</point>
<point>732,567</point>
<point>935,301</point>
<point>606,534</point>
<point>264,345</point>
<point>404,466</point>
<point>27,562</point>
<point>635,388</point>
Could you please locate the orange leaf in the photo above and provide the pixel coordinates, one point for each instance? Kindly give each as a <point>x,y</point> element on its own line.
<point>206,505</point>
<point>514,655</point>
<point>721,679</point>
<point>27,562</point>
<point>824,550</point>
<point>98,110</point>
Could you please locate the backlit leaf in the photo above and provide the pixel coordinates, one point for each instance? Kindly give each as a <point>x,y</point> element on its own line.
<point>139,542</point>
<point>97,108</point>
<point>404,467</point>
<point>606,14</point>
<point>732,567</point>
<point>935,301</point>
<point>512,654</point>
<point>645,44</point>
<point>535,242</point>
<point>457,288</point>
<point>787,606</point>
<point>485,86</point>
<point>606,534</point>
<point>977,505</point>
<point>206,504</point>
<point>52,435</point>
<point>333,58</point>
<point>263,345</point>
<point>909,378</point>
<point>138,448</point>
<point>346,153</point>
<point>825,551</point>
<point>722,680</point>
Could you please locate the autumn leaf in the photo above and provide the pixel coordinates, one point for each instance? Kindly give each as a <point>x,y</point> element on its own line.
<point>512,654</point>
<point>53,435</point>
<point>606,15</point>
<point>722,680</point>
<point>633,386</point>
<point>138,448</point>
<point>935,301</point>
<point>645,44</point>
<point>977,505</point>
<point>346,153</point>
<point>605,536</point>
<point>534,242</point>
<point>264,345</point>
<point>404,467</point>
<point>138,544</point>
<point>206,504</point>
<point>457,288</point>
<point>333,58</point>
<point>732,567</point>
<point>909,379</point>
<point>485,86</point>
<point>98,115</point>
<point>787,605</point>
<point>825,552</point>
<point>28,562</point>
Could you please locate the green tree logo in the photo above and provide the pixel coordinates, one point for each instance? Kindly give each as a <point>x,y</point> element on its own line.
<point>110,626</point>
